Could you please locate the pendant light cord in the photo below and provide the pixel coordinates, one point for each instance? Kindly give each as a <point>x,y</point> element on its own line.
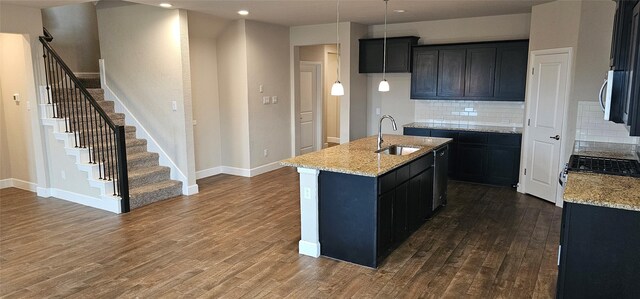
<point>338,37</point>
<point>384,51</point>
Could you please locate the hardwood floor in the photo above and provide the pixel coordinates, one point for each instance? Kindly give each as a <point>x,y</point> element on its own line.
<point>238,238</point>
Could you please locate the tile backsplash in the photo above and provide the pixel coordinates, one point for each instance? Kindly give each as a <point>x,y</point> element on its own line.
<point>508,114</point>
<point>591,126</point>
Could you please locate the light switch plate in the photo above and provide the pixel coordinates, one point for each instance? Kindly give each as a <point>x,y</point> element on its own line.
<point>274,99</point>
<point>265,100</point>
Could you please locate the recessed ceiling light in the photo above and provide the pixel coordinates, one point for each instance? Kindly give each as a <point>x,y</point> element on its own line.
<point>399,10</point>
<point>243,12</point>
<point>166,5</point>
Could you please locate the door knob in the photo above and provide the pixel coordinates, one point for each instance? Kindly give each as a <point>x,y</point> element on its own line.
<point>557,137</point>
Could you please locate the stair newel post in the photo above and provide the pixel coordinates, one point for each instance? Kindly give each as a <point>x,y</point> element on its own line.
<point>46,72</point>
<point>123,175</point>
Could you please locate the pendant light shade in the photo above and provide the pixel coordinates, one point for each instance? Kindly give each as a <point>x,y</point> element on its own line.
<point>337,89</point>
<point>384,85</point>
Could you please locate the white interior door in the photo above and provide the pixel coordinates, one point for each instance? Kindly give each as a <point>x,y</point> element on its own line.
<point>308,94</point>
<point>547,95</point>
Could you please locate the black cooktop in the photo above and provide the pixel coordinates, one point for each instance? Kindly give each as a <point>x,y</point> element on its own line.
<point>604,165</point>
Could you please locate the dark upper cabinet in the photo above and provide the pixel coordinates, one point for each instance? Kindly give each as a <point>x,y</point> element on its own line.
<point>398,54</point>
<point>621,34</point>
<point>480,76</point>
<point>511,71</point>
<point>451,72</point>
<point>631,115</point>
<point>491,71</point>
<point>424,80</point>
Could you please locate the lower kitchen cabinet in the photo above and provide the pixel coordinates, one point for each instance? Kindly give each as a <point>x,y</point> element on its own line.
<point>362,219</point>
<point>598,252</point>
<point>480,157</point>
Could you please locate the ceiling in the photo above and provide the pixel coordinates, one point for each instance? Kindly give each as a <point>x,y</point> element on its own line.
<point>307,12</point>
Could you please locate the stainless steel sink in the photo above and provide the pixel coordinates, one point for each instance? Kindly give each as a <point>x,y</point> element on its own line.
<point>398,150</point>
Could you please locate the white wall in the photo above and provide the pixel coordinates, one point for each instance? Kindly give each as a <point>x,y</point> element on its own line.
<point>397,101</point>
<point>268,65</point>
<point>16,77</point>
<point>203,32</point>
<point>146,55</point>
<point>74,29</point>
<point>28,21</point>
<point>234,106</point>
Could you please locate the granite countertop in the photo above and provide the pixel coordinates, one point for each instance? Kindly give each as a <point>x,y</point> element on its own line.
<point>603,190</point>
<point>458,127</point>
<point>358,157</point>
<point>605,150</point>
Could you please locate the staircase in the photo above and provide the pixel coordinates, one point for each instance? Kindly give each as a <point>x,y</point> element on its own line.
<point>98,137</point>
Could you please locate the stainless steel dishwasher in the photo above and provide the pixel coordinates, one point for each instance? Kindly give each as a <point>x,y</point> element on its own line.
<point>441,169</point>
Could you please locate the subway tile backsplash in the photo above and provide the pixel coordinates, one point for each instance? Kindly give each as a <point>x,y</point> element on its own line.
<point>508,114</point>
<point>591,126</point>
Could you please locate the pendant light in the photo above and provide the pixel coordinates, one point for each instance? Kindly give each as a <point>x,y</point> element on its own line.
<point>384,85</point>
<point>337,89</point>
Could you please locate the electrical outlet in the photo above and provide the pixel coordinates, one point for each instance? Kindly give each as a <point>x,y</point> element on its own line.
<point>63,174</point>
<point>195,122</point>
<point>261,88</point>
<point>307,193</point>
<point>377,111</point>
<point>274,99</point>
<point>265,100</point>
<point>174,105</point>
<point>266,152</point>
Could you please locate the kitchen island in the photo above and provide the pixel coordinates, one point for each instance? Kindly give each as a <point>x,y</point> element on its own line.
<point>360,204</point>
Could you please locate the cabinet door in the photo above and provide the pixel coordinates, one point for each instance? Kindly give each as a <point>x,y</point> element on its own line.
<point>385,223</point>
<point>400,212</point>
<point>426,194</point>
<point>503,165</point>
<point>371,56</point>
<point>472,163</point>
<point>511,72</point>
<point>398,55</point>
<point>451,72</point>
<point>424,77</point>
<point>480,73</point>
<point>414,199</point>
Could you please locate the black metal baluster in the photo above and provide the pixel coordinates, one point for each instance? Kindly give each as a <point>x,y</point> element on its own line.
<point>96,142</point>
<point>102,149</point>
<point>56,95</point>
<point>82,133</point>
<point>109,156</point>
<point>91,131</point>
<point>73,114</point>
<point>46,72</point>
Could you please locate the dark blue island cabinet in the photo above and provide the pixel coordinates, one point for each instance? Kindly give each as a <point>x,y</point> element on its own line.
<point>362,219</point>
<point>599,252</point>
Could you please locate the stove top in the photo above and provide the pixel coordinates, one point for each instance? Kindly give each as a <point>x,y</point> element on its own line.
<point>610,166</point>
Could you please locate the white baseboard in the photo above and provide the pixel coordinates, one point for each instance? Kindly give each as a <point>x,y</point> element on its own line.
<point>308,248</point>
<point>191,190</point>
<point>110,205</point>
<point>236,171</point>
<point>205,173</point>
<point>333,139</point>
<point>6,183</point>
<point>265,168</point>
<point>250,172</point>
<point>44,192</point>
<point>17,183</point>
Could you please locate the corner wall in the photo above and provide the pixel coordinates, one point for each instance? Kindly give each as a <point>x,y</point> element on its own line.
<point>233,93</point>
<point>268,65</point>
<point>75,31</point>
<point>146,56</point>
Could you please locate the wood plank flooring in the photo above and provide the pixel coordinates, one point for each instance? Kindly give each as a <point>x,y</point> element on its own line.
<point>238,238</point>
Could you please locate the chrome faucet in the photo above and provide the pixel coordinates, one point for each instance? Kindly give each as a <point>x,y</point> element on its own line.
<point>395,128</point>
